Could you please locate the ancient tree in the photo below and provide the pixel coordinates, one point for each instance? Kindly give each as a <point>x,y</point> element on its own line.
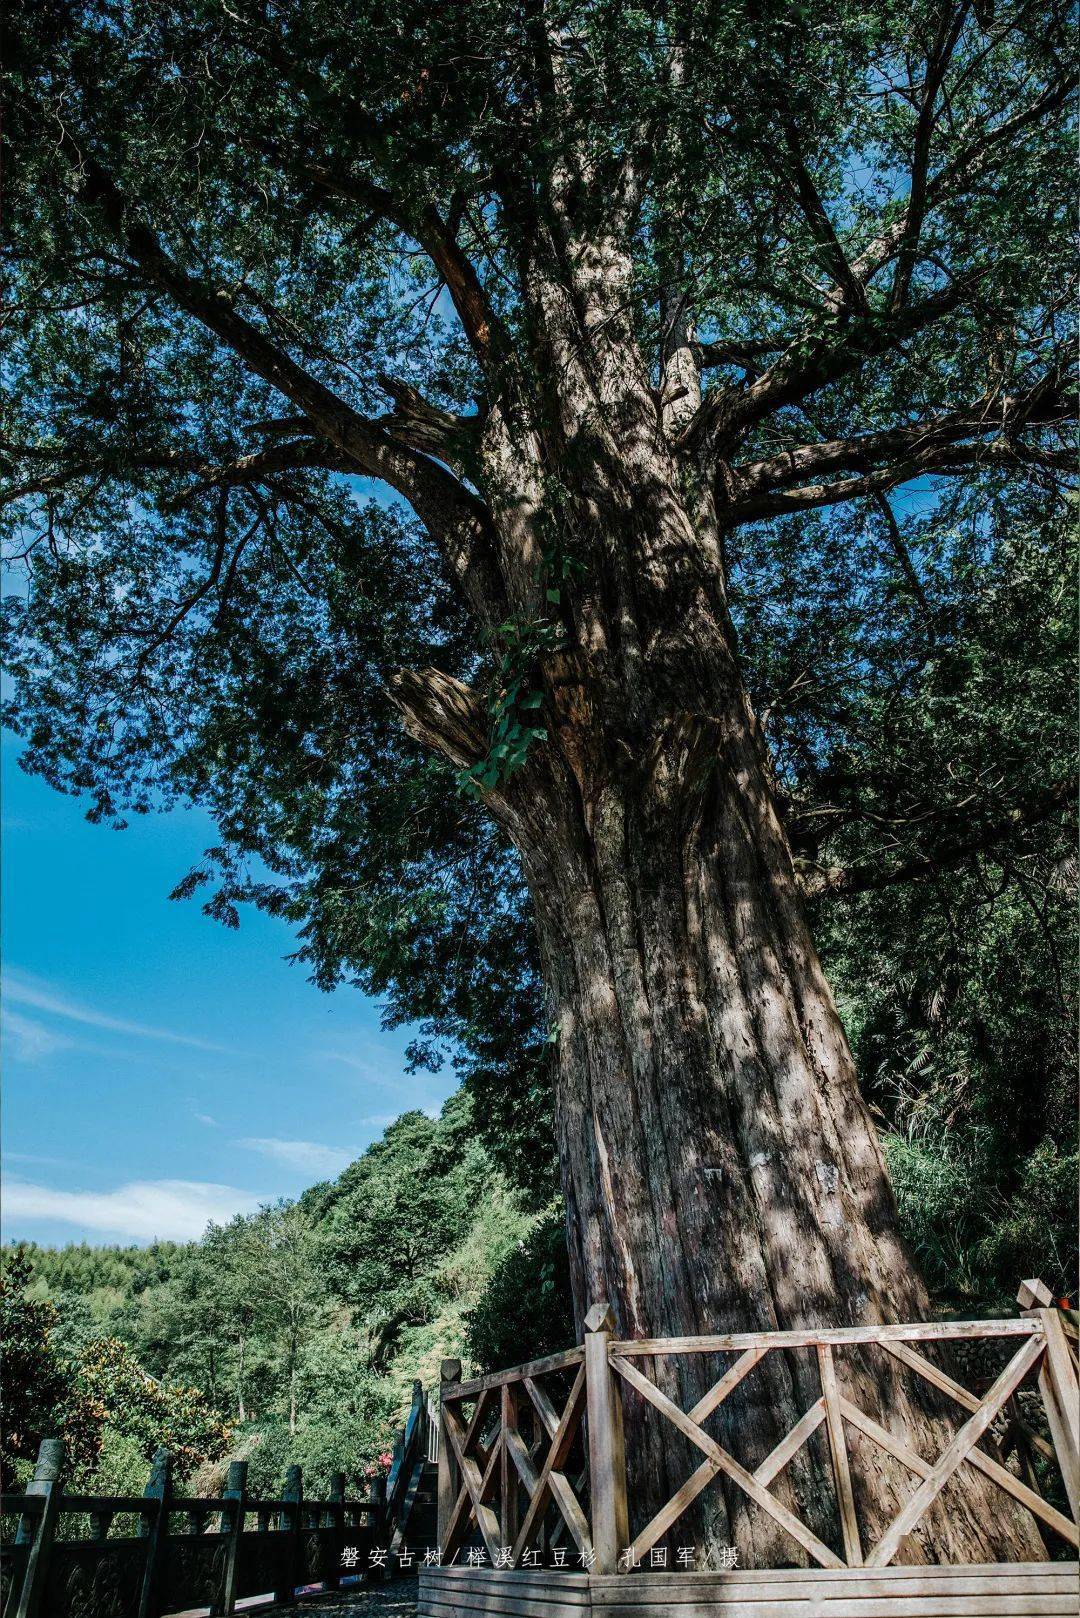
<point>591,288</point>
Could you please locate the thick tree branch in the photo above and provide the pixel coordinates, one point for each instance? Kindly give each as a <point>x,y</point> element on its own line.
<point>453,515</point>
<point>1002,416</point>
<point>951,850</point>
<point>748,353</point>
<point>833,258</point>
<point>812,363</point>
<point>429,429</point>
<point>949,30</point>
<point>945,460</point>
<point>426,227</point>
<point>307,455</point>
<point>441,713</point>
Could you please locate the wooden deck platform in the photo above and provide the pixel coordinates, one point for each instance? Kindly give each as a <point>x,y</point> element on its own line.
<point>1015,1590</point>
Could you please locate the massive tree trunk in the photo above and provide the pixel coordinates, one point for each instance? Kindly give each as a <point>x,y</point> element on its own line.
<point>721,1169</point>
<point>722,1172</point>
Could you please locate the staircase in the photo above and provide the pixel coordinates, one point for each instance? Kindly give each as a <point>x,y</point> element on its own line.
<point>410,1513</point>
<point>417,1529</point>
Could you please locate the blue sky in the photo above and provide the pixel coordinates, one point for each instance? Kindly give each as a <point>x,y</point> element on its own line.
<point>160,1070</point>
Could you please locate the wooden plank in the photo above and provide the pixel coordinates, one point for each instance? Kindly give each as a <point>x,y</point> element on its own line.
<point>933,1606</point>
<point>775,1462</point>
<point>841,1576</point>
<point>481,1411</point>
<point>556,1455</point>
<point>36,1530</point>
<point>956,1452</point>
<point>834,1426</point>
<point>541,1592</point>
<point>235,1489</point>
<point>558,1483</point>
<point>670,1513</point>
<point>544,1407</point>
<point>534,1602</point>
<point>661,1581</point>
<point>837,1336</point>
<point>508,1490</point>
<point>516,1373</point>
<point>858,1600</point>
<point>1058,1379</point>
<point>449,1373</point>
<point>517,1578</point>
<point>518,1453</point>
<point>1059,1432</point>
<point>731,1379</point>
<point>517,1606</point>
<point>888,1441</point>
<point>1001,1475</point>
<point>154,1527</point>
<point>955,1390</point>
<point>821,1589</point>
<point>291,1503</point>
<point>787,1519</point>
<point>570,1509</point>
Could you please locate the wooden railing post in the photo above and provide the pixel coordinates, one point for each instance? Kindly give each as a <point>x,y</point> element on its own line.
<point>37,1531</point>
<point>508,1478</point>
<point>1058,1386</point>
<point>235,1489</point>
<point>449,1372</point>
<point>845,1502</point>
<point>153,1527</point>
<point>293,1498</point>
<point>607,1457</point>
<point>336,1515</point>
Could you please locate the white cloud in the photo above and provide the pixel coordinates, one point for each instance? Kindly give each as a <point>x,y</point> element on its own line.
<point>205,1118</point>
<point>31,1040</point>
<point>27,991</point>
<point>169,1210</point>
<point>306,1156</point>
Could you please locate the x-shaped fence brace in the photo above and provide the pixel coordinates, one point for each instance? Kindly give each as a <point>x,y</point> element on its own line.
<point>834,1410</point>
<point>492,1454</point>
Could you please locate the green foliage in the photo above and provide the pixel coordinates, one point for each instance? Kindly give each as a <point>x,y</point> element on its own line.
<point>397,1211</point>
<point>149,1414</point>
<point>956,988</point>
<point>515,700</point>
<point>525,1311</point>
<point>40,1399</point>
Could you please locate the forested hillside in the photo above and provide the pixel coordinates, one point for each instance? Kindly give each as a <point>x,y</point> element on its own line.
<point>292,1335</point>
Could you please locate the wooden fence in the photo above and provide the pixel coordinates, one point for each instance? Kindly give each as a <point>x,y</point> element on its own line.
<point>532,1459</point>
<point>199,1552</point>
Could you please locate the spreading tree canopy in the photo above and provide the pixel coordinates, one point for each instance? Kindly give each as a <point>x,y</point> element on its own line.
<point>538,474</point>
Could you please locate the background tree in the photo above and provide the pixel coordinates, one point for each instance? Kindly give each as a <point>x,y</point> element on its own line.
<point>39,1399</point>
<point>495,271</point>
<point>276,1278</point>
